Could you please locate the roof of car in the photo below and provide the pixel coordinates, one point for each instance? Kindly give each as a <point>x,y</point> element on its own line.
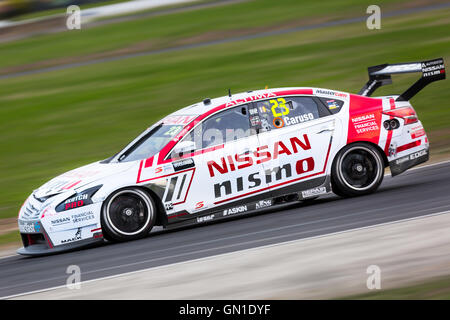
<point>203,106</point>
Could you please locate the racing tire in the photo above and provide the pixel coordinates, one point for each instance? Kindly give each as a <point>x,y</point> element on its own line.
<point>128,214</point>
<point>358,169</point>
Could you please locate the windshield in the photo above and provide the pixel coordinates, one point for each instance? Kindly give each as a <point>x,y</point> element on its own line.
<point>151,143</point>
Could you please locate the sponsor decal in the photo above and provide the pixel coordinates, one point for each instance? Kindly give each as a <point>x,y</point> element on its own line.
<point>298,119</point>
<point>263,204</point>
<point>177,187</point>
<point>253,111</point>
<point>432,68</point>
<point>417,132</point>
<point>78,200</point>
<point>254,180</point>
<point>402,160</point>
<point>412,156</point>
<point>331,93</point>
<point>260,155</point>
<point>263,109</point>
<point>418,154</point>
<point>60,221</point>
<point>163,169</point>
<point>29,226</point>
<point>255,121</point>
<point>251,98</point>
<point>314,192</point>
<point>168,206</point>
<point>392,150</point>
<point>278,122</point>
<point>231,211</point>
<point>178,119</point>
<point>365,123</point>
<point>75,202</point>
<point>59,185</point>
<point>205,218</point>
<point>365,119</point>
<point>74,238</point>
<point>83,216</point>
<point>199,205</point>
<point>332,104</point>
<point>183,164</point>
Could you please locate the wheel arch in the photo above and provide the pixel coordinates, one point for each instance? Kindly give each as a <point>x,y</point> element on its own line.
<point>336,182</point>
<point>376,146</point>
<point>161,218</point>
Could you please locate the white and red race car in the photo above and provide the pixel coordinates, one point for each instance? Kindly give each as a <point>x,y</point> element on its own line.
<point>231,156</point>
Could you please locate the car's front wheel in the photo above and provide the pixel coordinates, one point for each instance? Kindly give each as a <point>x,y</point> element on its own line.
<point>358,169</point>
<point>128,214</point>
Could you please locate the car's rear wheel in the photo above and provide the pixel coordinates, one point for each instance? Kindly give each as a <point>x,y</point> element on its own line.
<point>128,214</point>
<point>358,169</point>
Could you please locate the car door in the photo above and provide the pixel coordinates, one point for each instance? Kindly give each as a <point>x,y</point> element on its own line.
<point>298,132</point>
<point>225,171</point>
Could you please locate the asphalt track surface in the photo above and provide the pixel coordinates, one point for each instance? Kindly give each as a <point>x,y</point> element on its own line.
<point>417,192</point>
<point>360,19</point>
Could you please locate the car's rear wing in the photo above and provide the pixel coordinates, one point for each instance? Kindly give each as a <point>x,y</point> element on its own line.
<point>432,70</point>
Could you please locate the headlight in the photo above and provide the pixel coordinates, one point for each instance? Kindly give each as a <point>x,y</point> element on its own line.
<point>79,200</point>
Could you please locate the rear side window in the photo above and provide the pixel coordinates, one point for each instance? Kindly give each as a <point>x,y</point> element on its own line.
<point>287,111</point>
<point>333,105</point>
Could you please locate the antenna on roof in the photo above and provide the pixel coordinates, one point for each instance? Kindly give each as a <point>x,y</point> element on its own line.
<point>229,93</point>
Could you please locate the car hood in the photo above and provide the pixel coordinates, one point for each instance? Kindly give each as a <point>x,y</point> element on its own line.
<point>80,177</point>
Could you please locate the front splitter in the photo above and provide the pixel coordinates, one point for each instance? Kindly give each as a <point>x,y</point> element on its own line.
<point>43,249</point>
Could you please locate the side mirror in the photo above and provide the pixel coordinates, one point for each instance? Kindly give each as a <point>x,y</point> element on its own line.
<point>183,147</point>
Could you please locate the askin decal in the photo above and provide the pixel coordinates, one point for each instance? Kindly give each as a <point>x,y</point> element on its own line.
<point>235,210</point>
<point>260,155</point>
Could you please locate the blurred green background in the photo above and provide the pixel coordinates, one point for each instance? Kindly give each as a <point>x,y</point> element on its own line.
<point>54,121</point>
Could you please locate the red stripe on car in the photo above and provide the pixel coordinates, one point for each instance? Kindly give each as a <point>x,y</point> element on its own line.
<point>409,145</point>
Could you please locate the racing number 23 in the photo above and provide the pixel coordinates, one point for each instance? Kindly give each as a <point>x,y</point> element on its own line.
<point>279,103</point>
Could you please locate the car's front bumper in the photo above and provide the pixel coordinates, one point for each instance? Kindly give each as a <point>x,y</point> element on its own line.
<point>41,248</point>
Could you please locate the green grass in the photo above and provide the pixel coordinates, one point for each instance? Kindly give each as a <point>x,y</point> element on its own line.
<point>435,289</point>
<point>165,30</point>
<point>53,122</point>
<point>10,237</point>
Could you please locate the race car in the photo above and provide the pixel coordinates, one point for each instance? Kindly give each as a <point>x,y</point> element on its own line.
<point>232,156</point>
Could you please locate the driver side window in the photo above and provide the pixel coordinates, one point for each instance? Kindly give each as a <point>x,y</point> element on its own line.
<point>226,126</point>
